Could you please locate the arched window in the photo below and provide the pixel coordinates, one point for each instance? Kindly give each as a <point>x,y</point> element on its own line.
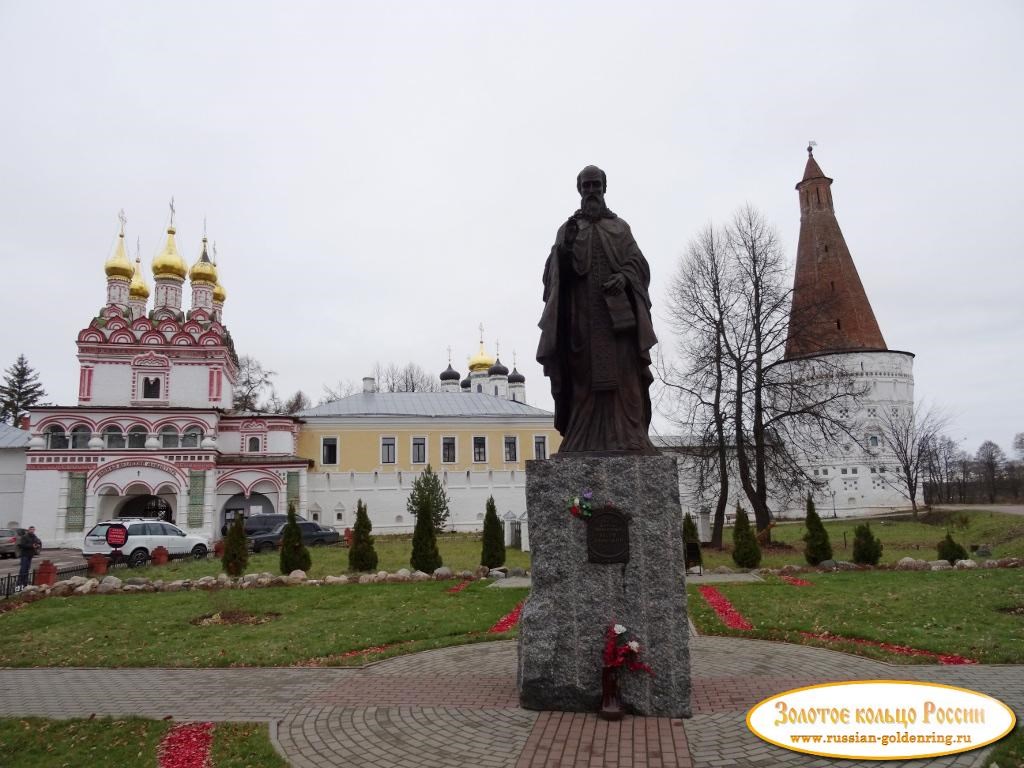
<point>80,437</point>
<point>192,437</point>
<point>480,388</point>
<point>137,437</point>
<point>495,390</point>
<point>113,437</point>
<point>169,437</point>
<point>254,445</point>
<point>151,388</point>
<point>56,438</point>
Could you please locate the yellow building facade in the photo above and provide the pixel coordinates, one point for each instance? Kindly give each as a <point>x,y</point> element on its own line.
<point>373,445</point>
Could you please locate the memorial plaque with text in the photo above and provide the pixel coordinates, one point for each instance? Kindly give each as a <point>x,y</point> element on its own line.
<point>607,537</point>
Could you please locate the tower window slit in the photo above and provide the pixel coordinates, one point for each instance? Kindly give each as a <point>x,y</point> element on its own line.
<point>839,326</point>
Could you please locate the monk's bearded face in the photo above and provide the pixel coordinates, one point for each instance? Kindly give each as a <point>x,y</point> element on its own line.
<point>591,195</point>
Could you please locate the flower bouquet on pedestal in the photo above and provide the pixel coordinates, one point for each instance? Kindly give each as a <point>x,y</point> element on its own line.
<point>620,650</point>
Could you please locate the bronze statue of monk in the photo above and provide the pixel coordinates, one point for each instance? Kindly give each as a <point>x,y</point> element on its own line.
<point>596,331</point>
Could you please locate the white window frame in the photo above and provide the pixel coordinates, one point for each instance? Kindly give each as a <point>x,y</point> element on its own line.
<point>504,451</point>
<point>412,449</point>
<point>380,450</point>
<point>547,452</point>
<point>455,440</point>
<point>473,447</point>
<point>337,450</point>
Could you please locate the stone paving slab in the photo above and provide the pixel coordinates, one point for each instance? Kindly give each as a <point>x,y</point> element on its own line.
<point>458,708</point>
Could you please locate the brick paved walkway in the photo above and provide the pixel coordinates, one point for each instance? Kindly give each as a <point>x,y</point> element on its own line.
<point>457,707</point>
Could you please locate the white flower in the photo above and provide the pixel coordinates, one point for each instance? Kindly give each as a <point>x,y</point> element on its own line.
<point>619,629</point>
<point>634,646</point>
<point>576,501</point>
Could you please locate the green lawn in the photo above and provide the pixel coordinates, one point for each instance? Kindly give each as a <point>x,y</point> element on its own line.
<point>960,612</point>
<point>31,742</point>
<point>315,625</point>
<point>1009,752</point>
<point>901,536</point>
<point>460,552</point>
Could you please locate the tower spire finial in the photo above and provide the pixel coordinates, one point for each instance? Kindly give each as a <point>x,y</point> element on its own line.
<point>204,227</point>
<point>449,354</point>
<point>138,249</point>
<point>172,211</point>
<point>810,147</point>
<point>123,219</point>
<point>497,348</point>
<point>215,253</point>
<point>481,333</point>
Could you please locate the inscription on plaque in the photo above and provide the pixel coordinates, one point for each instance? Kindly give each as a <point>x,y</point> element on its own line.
<point>607,537</point>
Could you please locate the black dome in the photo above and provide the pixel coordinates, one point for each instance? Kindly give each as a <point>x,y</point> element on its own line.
<point>516,377</point>
<point>465,382</point>
<point>449,374</point>
<point>497,369</point>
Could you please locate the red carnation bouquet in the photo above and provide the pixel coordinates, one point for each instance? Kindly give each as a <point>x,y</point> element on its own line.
<point>620,650</point>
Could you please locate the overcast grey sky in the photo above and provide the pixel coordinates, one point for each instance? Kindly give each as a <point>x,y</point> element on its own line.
<point>382,177</point>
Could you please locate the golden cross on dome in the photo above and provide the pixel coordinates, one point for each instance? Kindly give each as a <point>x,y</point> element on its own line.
<point>215,253</point>
<point>481,333</point>
<point>123,219</point>
<point>138,248</point>
<point>204,227</point>
<point>172,211</point>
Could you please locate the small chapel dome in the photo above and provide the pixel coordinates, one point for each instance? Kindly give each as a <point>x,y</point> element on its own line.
<point>118,265</point>
<point>138,288</point>
<point>219,294</point>
<point>465,383</point>
<point>516,377</point>
<point>203,271</point>
<point>168,262</point>
<point>497,369</point>
<point>449,374</point>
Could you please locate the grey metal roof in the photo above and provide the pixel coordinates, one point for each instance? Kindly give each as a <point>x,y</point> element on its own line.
<point>431,404</point>
<point>12,437</point>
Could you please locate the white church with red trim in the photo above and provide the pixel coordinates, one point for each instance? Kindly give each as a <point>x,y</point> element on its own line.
<point>151,434</point>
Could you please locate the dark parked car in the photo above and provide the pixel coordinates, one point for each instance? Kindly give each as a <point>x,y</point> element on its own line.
<point>313,535</point>
<point>263,523</point>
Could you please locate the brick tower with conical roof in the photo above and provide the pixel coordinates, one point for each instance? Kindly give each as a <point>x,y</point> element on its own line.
<point>830,311</point>
<point>831,319</point>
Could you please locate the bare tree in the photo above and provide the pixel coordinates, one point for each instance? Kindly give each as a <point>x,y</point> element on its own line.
<point>295,403</point>
<point>253,379</point>
<point>701,297</point>
<point>342,388</point>
<point>990,458</point>
<point>407,378</point>
<point>1018,445</point>
<point>731,304</point>
<point>909,436</point>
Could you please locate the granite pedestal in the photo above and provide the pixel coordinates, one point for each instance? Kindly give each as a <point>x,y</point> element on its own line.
<point>572,601</point>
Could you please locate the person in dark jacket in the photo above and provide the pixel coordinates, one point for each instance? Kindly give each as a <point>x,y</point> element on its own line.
<point>28,547</point>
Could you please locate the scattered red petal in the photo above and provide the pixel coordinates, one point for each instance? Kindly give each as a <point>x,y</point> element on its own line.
<point>458,587</point>
<point>505,623</point>
<point>186,746</point>
<point>901,650</point>
<point>729,615</point>
<point>796,582</point>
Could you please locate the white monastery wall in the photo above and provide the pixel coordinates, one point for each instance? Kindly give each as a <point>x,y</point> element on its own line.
<point>12,484</point>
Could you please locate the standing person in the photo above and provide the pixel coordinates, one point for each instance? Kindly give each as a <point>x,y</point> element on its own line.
<point>28,547</point>
<point>596,331</point>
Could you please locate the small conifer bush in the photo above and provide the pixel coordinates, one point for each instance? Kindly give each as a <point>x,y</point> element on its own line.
<point>361,555</point>
<point>692,536</point>
<point>817,547</point>
<point>493,552</point>
<point>425,556</point>
<point>428,493</point>
<point>951,550</point>
<point>746,552</point>
<point>236,548</point>
<point>294,555</point>
<point>867,548</point>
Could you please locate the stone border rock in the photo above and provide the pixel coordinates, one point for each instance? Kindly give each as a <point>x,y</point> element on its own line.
<point>80,585</point>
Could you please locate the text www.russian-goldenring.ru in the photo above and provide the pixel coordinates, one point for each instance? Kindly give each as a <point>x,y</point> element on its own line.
<point>885,740</point>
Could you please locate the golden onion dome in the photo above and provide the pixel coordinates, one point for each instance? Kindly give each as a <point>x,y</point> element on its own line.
<point>203,271</point>
<point>117,265</point>
<point>138,289</point>
<point>168,262</point>
<point>481,361</point>
<point>219,294</point>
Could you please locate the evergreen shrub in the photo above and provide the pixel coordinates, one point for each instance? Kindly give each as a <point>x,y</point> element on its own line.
<point>361,554</point>
<point>294,555</point>
<point>951,550</point>
<point>425,555</point>
<point>817,547</point>
<point>746,552</point>
<point>867,548</point>
<point>236,548</point>
<point>493,551</point>
<point>428,494</point>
